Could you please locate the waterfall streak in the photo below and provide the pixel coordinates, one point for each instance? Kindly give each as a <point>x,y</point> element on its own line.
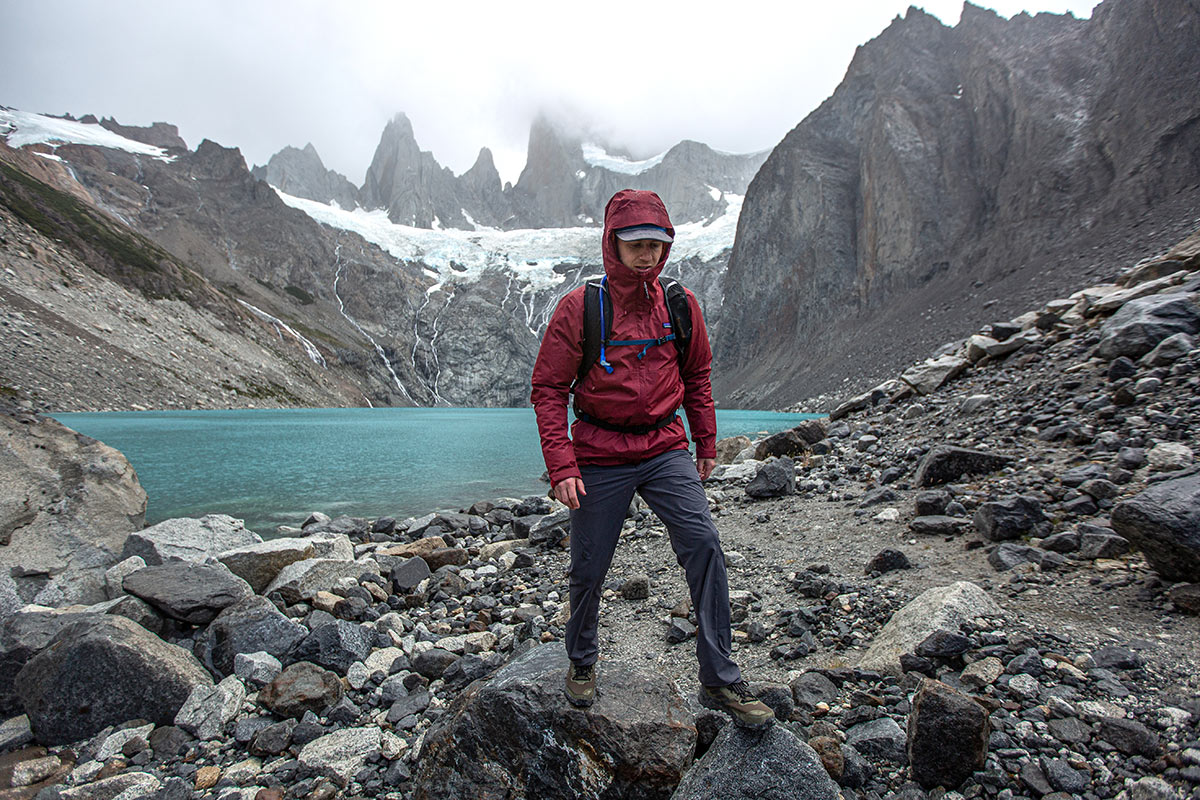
<point>282,327</point>
<point>337,252</point>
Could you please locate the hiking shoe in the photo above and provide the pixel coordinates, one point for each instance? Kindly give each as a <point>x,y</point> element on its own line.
<point>581,684</point>
<point>739,702</point>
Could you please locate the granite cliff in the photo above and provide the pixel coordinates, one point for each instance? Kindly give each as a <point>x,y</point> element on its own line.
<point>958,174</point>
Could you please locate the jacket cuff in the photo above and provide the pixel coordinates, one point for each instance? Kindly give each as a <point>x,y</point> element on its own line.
<point>560,475</point>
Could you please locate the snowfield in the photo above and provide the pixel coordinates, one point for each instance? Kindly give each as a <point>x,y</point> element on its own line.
<point>20,128</point>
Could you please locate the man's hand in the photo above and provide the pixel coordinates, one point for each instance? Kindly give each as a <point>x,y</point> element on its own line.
<point>569,490</point>
<point>705,467</point>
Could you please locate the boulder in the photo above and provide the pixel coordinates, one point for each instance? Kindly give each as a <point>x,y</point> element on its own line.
<point>728,449</point>
<point>514,734</point>
<point>1011,518</point>
<point>551,528</point>
<point>301,687</point>
<point>774,478</point>
<point>251,625</point>
<point>942,607</point>
<point>258,564</point>
<point>1169,456</point>
<point>299,582</point>
<point>929,375</point>
<point>1007,555</point>
<point>102,672</point>
<point>421,547</point>
<point>785,443</point>
<point>192,593</point>
<point>939,525</point>
<point>1169,350</point>
<point>208,709</point>
<point>187,539</point>
<point>1141,324</point>
<point>341,754</point>
<point>947,736</point>
<point>406,575</point>
<point>773,764</point>
<point>126,786</point>
<point>946,463</point>
<point>67,505</point>
<point>879,738</point>
<point>1164,523</point>
<point>335,645</point>
<point>22,636</point>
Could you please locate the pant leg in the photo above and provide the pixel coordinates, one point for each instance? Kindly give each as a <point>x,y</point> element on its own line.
<point>671,487</point>
<point>595,528</point>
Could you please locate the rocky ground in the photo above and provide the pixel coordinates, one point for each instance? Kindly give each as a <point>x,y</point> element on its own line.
<point>1016,518</point>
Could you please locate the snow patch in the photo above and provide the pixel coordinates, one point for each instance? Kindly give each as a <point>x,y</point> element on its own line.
<point>21,128</point>
<point>597,157</point>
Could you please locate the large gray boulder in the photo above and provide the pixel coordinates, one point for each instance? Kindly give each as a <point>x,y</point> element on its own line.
<point>1141,324</point>
<point>102,672</point>
<point>515,735</point>
<point>939,608</point>
<point>22,636</point>
<point>931,374</point>
<point>186,539</point>
<point>251,625</point>
<point>775,478</point>
<point>258,564</point>
<point>299,582</point>
<point>757,765</point>
<point>945,463</point>
<point>67,504</point>
<point>335,645</point>
<point>1011,518</point>
<point>341,754</point>
<point>192,593</point>
<point>1164,522</point>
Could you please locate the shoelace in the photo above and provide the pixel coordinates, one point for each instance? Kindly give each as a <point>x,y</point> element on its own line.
<point>742,690</point>
<point>583,673</point>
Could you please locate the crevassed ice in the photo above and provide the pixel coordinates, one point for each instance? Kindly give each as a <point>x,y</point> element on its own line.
<point>21,128</point>
<point>530,254</point>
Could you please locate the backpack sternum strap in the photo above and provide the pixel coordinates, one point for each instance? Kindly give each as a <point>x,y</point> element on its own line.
<point>597,324</point>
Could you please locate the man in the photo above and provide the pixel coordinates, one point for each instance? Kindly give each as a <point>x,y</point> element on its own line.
<point>628,438</point>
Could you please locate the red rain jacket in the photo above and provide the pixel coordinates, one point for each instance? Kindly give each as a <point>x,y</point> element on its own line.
<point>639,391</point>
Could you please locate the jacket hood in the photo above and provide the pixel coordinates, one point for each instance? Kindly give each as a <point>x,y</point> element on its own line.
<point>626,208</point>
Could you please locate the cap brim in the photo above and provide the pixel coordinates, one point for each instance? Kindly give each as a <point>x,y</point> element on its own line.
<point>642,232</point>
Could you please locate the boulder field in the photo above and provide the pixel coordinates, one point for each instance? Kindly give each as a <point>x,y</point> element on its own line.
<point>976,580</point>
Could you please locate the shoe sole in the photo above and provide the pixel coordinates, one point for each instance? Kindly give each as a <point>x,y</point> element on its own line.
<point>715,705</point>
<point>580,702</point>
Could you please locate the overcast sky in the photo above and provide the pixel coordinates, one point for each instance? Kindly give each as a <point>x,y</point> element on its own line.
<point>263,74</point>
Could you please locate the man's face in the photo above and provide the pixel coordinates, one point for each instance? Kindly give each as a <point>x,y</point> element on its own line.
<point>640,255</point>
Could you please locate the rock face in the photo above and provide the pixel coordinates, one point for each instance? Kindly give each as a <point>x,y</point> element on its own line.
<point>515,735</point>
<point>988,154</point>
<point>301,173</point>
<point>1164,521</point>
<point>743,765</point>
<point>81,682</point>
<point>67,505</point>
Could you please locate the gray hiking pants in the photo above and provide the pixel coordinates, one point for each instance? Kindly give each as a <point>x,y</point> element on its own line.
<point>671,487</point>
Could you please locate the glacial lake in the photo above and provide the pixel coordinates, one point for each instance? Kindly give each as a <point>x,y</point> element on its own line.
<point>273,467</point>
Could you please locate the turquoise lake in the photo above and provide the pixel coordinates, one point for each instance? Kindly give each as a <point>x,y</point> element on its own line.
<point>273,467</point>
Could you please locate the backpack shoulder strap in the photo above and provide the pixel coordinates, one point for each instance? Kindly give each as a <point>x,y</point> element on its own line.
<point>592,334</point>
<point>680,312</point>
